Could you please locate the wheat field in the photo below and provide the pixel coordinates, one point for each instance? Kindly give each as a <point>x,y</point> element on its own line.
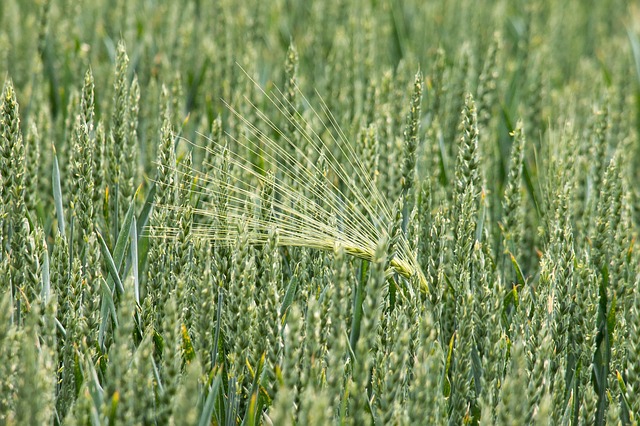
<point>367,212</point>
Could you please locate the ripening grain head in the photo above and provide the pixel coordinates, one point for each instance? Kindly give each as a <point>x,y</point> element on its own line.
<point>323,196</point>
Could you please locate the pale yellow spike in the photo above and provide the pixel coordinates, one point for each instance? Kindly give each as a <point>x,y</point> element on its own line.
<point>358,234</point>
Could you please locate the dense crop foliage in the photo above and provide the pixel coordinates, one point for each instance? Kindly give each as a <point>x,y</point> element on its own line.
<point>330,212</point>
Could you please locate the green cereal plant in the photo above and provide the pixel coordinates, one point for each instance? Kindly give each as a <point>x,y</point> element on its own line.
<point>456,99</point>
<point>82,185</point>
<point>484,318</point>
<point>512,209</point>
<point>269,302</point>
<point>466,192</point>
<point>9,366</point>
<point>336,340</point>
<point>394,368</point>
<point>68,351</point>
<point>425,387</point>
<point>560,260</point>
<point>463,392</point>
<point>370,320</point>
<point>181,265</point>
<point>633,367</point>
<point>171,365</point>
<point>240,314</point>
<point>539,350</point>
<point>97,169</point>
<point>33,140</point>
<point>286,405</point>
<point>313,353</point>
<point>141,380</point>
<point>512,408</point>
<point>463,219</point>
<point>165,193</point>
<point>119,131</point>
<point>205,309</point>
<point>18,232</point>
<point>122,154</point>
<point>486,92</point>
<point>185,412</point>
<point>34,380</point>
<point>369,146</point>
<point>290,90</point>
<point>378,257</point>
<point>409,150</point>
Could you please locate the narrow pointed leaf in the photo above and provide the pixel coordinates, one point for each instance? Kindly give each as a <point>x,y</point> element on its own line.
<point>111,266</point>
<point>57,194</point>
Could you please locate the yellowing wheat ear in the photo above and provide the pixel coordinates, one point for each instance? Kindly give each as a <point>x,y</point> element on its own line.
<point>323,196</point>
